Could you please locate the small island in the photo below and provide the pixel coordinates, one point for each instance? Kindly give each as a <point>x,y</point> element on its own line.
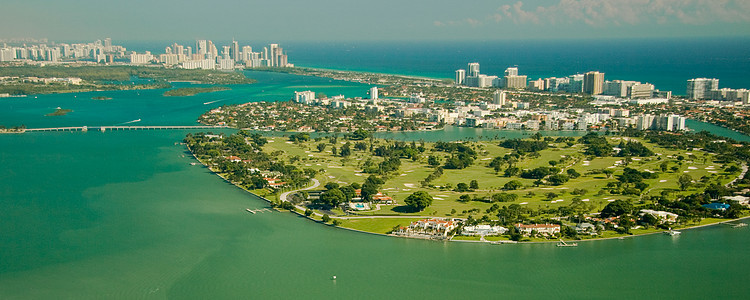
<point>59,112</point>
<point>192,91</point>
<point>101,98</point>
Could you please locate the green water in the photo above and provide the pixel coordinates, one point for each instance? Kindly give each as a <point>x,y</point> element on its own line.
<point>123,215</point>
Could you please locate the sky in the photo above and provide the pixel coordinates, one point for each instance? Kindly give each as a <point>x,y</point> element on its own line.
<point>340,20</point>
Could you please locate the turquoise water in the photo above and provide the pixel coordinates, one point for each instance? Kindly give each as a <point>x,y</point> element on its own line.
<point>123,215</point>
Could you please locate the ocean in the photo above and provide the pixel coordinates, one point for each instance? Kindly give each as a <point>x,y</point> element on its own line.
<point>667,62</point>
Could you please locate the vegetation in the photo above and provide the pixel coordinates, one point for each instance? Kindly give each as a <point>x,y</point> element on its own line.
<point>59,112</point>
<point>192,91</point>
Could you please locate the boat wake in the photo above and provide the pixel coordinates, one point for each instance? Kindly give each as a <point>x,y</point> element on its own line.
<point>129,122</point>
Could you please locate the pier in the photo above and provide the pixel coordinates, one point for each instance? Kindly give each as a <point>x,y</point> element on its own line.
<point>118,128</point>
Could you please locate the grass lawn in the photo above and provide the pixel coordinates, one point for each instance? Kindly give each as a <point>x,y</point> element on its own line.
<point>400,184</point>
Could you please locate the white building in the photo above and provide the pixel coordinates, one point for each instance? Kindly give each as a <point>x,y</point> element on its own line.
<point>306,97</point>
<point>499,98</point>
<point>473,69</point>
<point>699,88</point>
<point>483,230</point>
<point>140,59</point>
<point>460,76</point>
<point>374,93</point>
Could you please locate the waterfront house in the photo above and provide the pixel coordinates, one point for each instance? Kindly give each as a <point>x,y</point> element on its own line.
<point>543,229</point>
<point>662,216</point>
<point>483,230</point>
<point>586,228</point>
<point>741,200</point>
<point>437,227</point>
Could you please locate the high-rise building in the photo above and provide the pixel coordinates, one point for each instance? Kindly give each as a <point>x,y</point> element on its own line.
<point>201,47</point>
<point>699,88</point>
<point>514,82</point>
<point>498,98</point>
<point>641,91</point>
<point>593,82</point>
<point>460,76</point>
<point>306,97</point>
<point>374,93</point>
<point>234,52</point>
<point>512,71</point>
<point>273,54</point>
<point>474,69</point>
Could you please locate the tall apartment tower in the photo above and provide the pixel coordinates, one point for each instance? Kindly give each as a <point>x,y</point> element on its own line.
<point>474,69</point>
<point>593,83</point>
<point>699,88</point>
<point>512,71</point>
<point>374,93</point>
<point>498,98</point>
<point>460,76</point>
<point>274,49</point>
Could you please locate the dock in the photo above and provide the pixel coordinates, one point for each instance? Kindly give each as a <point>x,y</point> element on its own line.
<point>255,211</point>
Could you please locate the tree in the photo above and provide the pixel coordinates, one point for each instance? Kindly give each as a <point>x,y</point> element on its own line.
<point>418,200</point>
<point>573,173</point>
<point>474,184</point>
<point>433,161</point>
<point>331,185</point>
<point>321,147</point>
<point>616,208</point>
<point>464,198</point>
<point>349,192</point>
<point>685,181</point>
<point>558,179</point>
<point>512,185</point>
<point>462,187</point>
<point>308,212</point>
<point>332,197</point>
<point>326,218</point>
<point>511,171</point>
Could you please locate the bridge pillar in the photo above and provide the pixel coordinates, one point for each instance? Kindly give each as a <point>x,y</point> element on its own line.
<point>103,129</point>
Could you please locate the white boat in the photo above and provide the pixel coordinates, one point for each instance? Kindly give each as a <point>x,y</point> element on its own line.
<point>672,232</point>
<point>250,210</point>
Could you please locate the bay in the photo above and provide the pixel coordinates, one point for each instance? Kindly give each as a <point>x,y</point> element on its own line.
<point>123,215</point>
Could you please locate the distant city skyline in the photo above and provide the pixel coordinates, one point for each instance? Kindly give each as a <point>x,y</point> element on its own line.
<point>331,20</point>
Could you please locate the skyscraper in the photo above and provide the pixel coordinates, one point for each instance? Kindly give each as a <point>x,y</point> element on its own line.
<point>593,82</point>
<point>699,88</point>
<point>512,71</point>
<point>474,69</point>
<point>201,47</point>
<point>234,52</point>
<point>460,76</point>
<point>274,49</point>
<point>374,93</point>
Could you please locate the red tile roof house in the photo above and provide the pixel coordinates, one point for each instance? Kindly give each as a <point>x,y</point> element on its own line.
<point>544,229</point>
<point>437,226</point>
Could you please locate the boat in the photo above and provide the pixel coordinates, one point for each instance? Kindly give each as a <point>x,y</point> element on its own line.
<point>672,232</point>
<point>250,210</point>
<point>738,225</point>
<point>564,244</point>
<point>193,163</point>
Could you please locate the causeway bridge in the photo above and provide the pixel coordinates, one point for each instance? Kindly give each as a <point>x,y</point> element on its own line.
<point>118,128</point>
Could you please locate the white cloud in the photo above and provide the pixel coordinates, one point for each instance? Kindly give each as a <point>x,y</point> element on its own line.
<point>599,13</point>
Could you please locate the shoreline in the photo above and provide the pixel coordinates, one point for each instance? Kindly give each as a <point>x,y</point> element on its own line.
<point>501,242</point>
